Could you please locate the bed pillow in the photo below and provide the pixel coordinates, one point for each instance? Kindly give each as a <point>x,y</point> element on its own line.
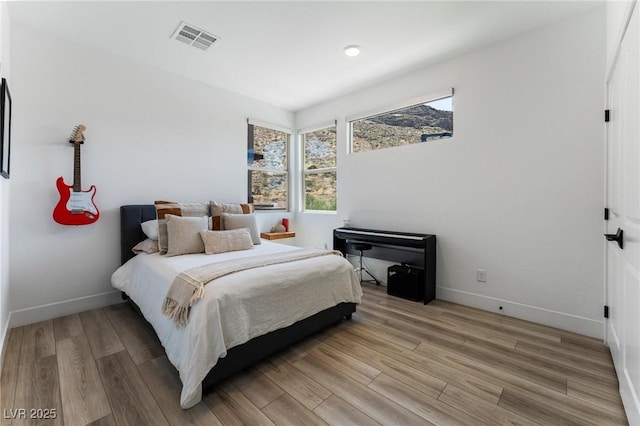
<point>218,208</point>
<point>148,246</point>
<point>238,221</point>
<point>223,241</point>
<point>150,229</point>
<point>164,208</point>
<point>183,234</point>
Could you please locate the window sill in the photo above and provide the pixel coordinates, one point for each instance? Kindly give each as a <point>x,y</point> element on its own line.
<point>327,212</point>
<point>269,209</point>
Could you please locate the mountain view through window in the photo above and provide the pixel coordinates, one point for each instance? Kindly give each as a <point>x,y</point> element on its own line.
<point>424,122</point>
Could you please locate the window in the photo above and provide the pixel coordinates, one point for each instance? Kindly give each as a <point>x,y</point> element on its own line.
<point>319,170</point>
<point>268,167</point>
<point>424,120</point>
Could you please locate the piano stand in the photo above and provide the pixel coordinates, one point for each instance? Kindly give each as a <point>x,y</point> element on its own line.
<point>416,250</point>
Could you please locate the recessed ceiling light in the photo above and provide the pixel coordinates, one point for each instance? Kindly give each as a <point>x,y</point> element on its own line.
<point>352,50</point>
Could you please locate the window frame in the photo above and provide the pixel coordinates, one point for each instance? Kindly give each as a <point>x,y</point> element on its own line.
<point>304,172</point>
<point>251,123</point>
<point>390,108</point>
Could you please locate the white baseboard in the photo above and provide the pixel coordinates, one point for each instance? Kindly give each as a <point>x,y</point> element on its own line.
<point>4,340</point>
<point>564,321</point>
<point>60,309</point>
<point>629,398</point>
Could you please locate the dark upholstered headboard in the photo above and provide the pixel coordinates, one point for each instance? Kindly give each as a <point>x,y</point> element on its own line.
<point>131,217</point>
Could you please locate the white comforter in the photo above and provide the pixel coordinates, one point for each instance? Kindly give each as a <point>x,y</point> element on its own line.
<point>236,307</point>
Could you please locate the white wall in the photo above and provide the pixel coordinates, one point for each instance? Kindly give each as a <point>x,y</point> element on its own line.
<point>150,135</point>
<point>618,12</point>
<point>4,195</point>
<point>517,190</point>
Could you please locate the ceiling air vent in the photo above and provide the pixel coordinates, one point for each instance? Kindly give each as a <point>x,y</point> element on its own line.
<point>193,36</point>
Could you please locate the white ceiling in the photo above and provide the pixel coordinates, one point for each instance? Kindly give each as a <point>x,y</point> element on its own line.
<point>290,53</point>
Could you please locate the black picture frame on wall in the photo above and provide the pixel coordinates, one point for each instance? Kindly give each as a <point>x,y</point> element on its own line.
<point>5,128</point>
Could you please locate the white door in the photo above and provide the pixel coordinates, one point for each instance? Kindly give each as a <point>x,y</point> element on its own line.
<point>623,201</point>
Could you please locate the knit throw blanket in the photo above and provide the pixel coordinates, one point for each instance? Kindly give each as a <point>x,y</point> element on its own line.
<point>188,287</point>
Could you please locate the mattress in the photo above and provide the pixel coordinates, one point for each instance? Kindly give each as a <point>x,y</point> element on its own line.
<point>236,307</point>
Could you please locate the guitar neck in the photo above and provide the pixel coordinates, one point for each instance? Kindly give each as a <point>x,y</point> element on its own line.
<point>77,186</point>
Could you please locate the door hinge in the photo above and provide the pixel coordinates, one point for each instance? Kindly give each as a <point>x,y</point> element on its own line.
<point>607,115</point>
<point>606,213</point>
<point>606,311</point>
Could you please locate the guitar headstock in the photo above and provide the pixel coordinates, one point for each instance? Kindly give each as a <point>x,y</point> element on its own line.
<point>77,134</point>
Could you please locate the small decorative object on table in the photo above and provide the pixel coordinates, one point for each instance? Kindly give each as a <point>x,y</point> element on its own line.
<point>279,228</point>
<point>279,231</point>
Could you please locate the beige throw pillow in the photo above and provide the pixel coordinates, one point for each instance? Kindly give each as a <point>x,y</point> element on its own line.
<point>148,246</point>
<point>224,241</point>
<point>238,221</point>
<point>183,234</point>
<point>164,208</point>
<point>218,208</point>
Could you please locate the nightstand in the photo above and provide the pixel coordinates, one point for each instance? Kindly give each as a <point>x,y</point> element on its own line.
<point>277,235</point>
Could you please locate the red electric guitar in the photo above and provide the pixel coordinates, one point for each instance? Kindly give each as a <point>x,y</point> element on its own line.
<point>76,207</point>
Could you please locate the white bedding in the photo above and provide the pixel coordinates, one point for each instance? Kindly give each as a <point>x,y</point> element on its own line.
<point>236,307</point>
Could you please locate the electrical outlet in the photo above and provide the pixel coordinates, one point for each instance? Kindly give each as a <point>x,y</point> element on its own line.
<point>481,275</point>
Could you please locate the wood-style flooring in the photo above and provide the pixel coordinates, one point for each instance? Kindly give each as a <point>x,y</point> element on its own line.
<point>396,363</point>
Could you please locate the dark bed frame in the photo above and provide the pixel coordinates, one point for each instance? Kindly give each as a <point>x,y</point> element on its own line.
<point>242,356</point>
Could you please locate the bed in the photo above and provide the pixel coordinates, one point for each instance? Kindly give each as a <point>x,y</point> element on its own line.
<point>201,356</point>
